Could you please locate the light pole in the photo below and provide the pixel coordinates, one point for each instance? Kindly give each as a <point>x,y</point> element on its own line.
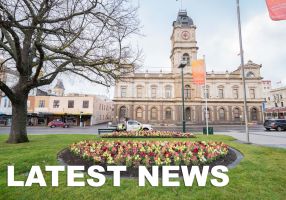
<point>182,66</point>
<point>80,119</point>
<point>243,72</point>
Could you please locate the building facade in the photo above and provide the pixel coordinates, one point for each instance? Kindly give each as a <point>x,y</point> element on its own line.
<point>275,103</point>
<point>72,109</point>
<point>44,107</point>
<point>157,97</point>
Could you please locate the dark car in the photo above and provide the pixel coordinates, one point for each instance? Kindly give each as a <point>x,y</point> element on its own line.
<point>56,123</point>
<point>276,124</point>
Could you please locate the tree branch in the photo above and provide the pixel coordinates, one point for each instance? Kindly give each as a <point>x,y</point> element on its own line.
<point>8,92</point>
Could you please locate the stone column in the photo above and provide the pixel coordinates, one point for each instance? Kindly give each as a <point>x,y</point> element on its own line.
<point>215,114</point>
<point>146,114</point>
<point>230,114</point>
<point>132,111</point>
<point>162,114</point>
<point>178,114</point>
<point>199,114</point>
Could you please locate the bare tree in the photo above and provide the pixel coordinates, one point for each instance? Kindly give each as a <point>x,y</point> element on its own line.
<point>43,38</point>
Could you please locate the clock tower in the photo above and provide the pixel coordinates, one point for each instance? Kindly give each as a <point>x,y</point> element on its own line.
<point>184,44</point>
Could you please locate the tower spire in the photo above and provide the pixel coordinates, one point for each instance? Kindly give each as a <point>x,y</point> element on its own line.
<point>181,4</point>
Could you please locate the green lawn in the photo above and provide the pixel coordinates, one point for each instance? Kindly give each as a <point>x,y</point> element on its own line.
<point>260,175</point>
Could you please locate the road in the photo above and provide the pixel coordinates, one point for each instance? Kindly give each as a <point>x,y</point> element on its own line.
<point>257,133</point>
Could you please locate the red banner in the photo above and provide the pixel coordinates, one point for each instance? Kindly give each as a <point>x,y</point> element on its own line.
<point>277,9</point>
<point>198,71</point>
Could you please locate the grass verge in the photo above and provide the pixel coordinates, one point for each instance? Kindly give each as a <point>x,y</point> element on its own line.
<point>260,175</point>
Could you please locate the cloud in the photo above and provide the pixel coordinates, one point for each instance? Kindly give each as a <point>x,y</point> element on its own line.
<point>265,43</point>
<point>263,39</point>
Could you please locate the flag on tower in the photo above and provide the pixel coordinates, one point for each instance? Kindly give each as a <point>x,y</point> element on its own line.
<point>277,9</point>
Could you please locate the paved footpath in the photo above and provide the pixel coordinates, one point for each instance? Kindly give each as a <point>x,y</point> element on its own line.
<point>272,139</point>
<point>257,133</point>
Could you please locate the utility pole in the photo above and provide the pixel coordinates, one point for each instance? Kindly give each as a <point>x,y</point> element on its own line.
<point>182,66</point>
<point>206,98</point>
<point>243,73</point>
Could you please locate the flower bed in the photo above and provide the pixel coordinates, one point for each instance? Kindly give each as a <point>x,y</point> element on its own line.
<point>135,153</point>
<point>148,134</point>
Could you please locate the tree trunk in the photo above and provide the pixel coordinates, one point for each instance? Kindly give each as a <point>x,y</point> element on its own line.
<point>18,131</point>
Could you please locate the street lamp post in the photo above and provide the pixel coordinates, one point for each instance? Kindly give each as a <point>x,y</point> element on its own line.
<point>80,119</point>
<point>182,66</point>
<point>243,73</point>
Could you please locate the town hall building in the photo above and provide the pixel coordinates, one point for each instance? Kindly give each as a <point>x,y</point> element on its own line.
<point>156,98</point>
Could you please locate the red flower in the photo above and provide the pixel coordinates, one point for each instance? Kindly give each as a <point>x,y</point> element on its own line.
<point>151,154</point>
<point>195,150</point>
<point>142,154</point>
<point>104,148</point>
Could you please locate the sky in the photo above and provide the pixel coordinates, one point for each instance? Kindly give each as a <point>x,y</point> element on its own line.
<point>264,40</point>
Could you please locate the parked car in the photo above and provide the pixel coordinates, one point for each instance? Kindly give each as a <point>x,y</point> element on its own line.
<point>132,125</point>
<point>56,123</point>
<point>276,124</point>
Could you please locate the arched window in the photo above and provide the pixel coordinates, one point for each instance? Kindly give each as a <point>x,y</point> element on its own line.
<point>139,113</point>
<point>122,112</point>
<point>168,91</point>
<point>154,114</point>
<point>187,92</point>
<point>168,113</point>
<point>250,75</point>
<point>186,57</point>
<point>188,114</point>
<point>221,114</point>
<point>253,114</point>
<point>236,114</point>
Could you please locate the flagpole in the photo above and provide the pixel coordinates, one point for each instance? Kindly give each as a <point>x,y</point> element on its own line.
<point>243,73</point>
<point>206,98</point>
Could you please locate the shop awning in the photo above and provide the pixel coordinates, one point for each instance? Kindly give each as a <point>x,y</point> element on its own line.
<point>275,110</point>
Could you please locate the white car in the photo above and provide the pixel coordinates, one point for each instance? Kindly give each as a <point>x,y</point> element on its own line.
<point>132,125</point>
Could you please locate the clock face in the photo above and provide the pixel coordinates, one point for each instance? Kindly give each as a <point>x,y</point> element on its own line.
<point>185,35</point>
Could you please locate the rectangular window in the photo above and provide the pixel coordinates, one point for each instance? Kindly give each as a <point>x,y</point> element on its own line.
<point>153,92</point>
<point>252,93</point>
<point>207,93</point>
<point>187,92</point>
<point>235,93</point>
<point>56,104</point>
<point>85,104</point>
<point>123,91</point>
<point>220,93</point>
<point>139,92</point>
<point>9,104</point>
<point>282,104</point>
<point>5,103</point>
<point>71,104</point>
<point>41,103</point>
<point>168,92</point>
